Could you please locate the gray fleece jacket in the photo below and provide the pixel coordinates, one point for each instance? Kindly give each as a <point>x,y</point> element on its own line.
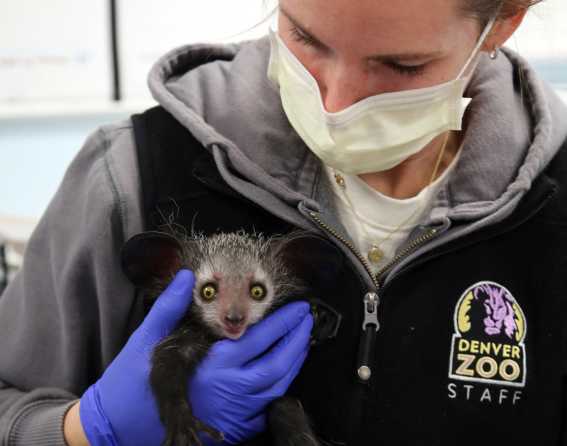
<point>65,316</point>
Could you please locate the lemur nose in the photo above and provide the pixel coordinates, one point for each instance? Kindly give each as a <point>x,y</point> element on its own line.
<point>234,319</point>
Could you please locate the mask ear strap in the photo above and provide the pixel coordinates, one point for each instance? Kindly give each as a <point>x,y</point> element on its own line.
<point>481,40</point>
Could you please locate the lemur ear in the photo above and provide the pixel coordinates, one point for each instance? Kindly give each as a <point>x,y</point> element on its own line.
<point>311,257</point>
<point>149,256</point>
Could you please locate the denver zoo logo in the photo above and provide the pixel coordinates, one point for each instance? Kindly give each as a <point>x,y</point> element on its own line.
<point>488,344</point>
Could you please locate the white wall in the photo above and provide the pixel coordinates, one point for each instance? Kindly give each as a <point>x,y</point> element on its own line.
<point>56,76</point>
<point>148,30</point>
<point>48,51</point>
<point>543,33</point>
<point>60,50</point>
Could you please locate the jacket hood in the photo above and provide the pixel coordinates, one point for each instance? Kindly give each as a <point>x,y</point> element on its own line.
<point>515,125</point>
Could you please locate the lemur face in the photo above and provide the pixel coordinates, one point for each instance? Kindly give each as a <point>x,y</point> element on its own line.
<point>239,277</point>
<point>230,301</point>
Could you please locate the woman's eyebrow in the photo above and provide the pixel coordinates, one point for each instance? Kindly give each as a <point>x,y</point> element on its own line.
<point>405,56</point>
<point>376,57</point>
<point>301,27</point>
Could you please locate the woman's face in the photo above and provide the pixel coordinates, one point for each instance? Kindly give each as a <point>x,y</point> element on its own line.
<point>355,49</point>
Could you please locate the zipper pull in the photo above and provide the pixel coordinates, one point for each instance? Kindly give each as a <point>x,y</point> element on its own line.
<point>370,327</point>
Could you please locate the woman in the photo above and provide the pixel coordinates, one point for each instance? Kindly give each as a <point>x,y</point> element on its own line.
<point>448,209</point>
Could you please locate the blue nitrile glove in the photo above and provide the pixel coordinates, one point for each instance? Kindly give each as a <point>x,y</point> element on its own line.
<point>119,409</point>
<point>233,385</point>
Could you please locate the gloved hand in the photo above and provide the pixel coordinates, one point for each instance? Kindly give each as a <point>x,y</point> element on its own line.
<point>233,385</point>
<point>119,409</point>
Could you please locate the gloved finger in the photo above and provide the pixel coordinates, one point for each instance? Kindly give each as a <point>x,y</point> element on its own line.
<point>280,388</point>
<point>257,424</point>
<point>275,364</point>
<point>261,336</point>
<point>169,308</point>
<point>263,397</point>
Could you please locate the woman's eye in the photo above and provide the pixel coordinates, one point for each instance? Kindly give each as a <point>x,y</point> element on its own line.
<point>257,292</point>
<point>407,70</point>
<point>301,37</point>
<point>208,292</point>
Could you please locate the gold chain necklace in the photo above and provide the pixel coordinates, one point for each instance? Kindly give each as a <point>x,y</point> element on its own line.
<point>375,253</point>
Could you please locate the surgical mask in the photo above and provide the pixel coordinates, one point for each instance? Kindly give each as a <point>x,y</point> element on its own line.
<point>376,133</point>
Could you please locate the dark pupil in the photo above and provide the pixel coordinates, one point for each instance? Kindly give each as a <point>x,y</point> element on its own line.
<point>257,291</point>
<point>208,292</point>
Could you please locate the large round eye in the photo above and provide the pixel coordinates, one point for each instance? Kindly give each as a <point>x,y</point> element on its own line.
<point>208,292</point>
<point>257,292</point>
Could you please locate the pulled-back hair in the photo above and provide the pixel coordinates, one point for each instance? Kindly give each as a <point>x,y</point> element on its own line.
<point>484,10</point>
<point>481,10</point>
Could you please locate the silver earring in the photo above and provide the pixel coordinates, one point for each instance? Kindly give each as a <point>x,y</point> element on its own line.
<point>494,53</point>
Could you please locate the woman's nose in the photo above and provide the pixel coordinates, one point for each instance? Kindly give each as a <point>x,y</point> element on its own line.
<point>342,86</point>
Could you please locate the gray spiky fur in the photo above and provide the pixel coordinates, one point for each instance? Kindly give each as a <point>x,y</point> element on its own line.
<point>240,253</point>
<point>236,255</point>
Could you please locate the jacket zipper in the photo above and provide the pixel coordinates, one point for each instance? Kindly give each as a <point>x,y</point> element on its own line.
<point>416,243</point>
<point>371,300</point>
<point>348,244</point>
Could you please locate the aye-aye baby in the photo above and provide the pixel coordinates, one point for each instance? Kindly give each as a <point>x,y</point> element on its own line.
<point>239,279</point>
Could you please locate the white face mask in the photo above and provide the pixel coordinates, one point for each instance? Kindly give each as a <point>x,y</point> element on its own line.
<point>376,133</point>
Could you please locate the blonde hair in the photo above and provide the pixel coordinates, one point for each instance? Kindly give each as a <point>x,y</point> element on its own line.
<point>484,10</point>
